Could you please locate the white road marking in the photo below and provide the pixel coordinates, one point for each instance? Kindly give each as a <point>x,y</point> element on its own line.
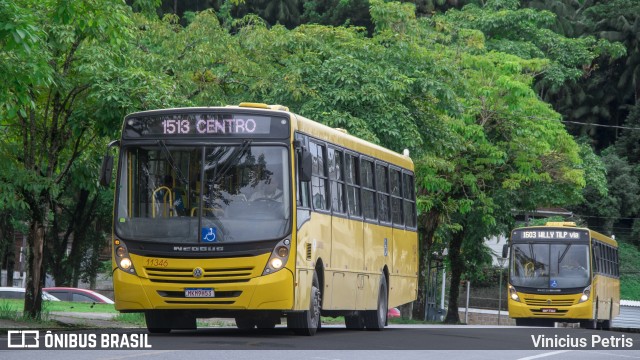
<point>544,355</point>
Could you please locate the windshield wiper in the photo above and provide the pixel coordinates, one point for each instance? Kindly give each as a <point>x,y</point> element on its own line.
<point>176,169</point>
<point>564,253</point>
<point>232,160</point>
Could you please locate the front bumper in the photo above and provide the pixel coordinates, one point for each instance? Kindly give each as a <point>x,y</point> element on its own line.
<point>238,284</point>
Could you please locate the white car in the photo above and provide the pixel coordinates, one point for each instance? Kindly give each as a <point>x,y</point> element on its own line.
<point>18,293</point>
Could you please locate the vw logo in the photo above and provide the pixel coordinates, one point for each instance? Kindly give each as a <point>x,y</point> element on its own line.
<point>548,301</point>
<point>198,272</point>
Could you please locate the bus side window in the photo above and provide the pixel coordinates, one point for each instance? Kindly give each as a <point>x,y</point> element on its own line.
<point>396,197</point>
<point>382,185</point>
<point>609,260</point>
<point>409,202</point>
<point>336,178</point>
<point>318,177</point>
<point>353,190</point>
<point>368,192</point>
<point>594,261</point>
<point>302,196</point>
<point>616,263</point>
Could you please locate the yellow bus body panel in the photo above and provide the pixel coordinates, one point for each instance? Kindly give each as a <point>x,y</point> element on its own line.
<point>532,306</point>
<point>144,291</point>
<point>607,293</point>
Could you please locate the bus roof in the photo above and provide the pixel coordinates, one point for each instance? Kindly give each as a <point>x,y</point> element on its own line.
<point>337,136</point>
<point>342,138</point>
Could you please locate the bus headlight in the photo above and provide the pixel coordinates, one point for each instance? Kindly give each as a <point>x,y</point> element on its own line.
<point>279,257</point>
<point>276,263</point>
<point>585,294</point>
<point>513,294</point>
<point>123,261</point>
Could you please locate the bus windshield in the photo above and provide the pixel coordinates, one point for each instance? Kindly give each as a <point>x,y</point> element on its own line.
<point>203,194</point>
<point>550,266</point>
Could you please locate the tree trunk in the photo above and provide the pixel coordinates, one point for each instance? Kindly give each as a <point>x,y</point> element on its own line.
<point>7,246</point>
<point>406,311</point>
<point>11,259</point>
<point>457,266</point>
<point>33,296</point>
<point>428,223</point>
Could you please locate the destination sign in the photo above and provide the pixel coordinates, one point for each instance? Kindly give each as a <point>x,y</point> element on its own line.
<point>206,124</point>
<point>548,234</point>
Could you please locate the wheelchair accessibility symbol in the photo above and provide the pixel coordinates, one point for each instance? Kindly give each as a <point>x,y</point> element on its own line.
<point>208,235</point>
<point>554,284</point>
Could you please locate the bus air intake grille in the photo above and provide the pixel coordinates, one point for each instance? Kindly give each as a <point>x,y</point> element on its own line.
<point>209,275</point>
<point>308,249</point>
<point>545,302</point>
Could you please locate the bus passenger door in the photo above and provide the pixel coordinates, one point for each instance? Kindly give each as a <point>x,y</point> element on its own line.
<point>346,260</point>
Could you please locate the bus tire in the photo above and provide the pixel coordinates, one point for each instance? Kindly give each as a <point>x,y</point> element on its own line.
<point>376,319</point>
<point>354,322</point>
<point>307,322</point>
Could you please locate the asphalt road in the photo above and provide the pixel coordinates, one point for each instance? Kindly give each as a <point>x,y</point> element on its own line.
<point>337,343</point>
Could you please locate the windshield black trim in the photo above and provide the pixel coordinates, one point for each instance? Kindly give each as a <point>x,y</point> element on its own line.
<point>538,291</point>
<point>238,142</point>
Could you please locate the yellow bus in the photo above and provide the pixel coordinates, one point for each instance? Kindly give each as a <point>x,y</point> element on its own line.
<point>255,213</point>
<point>563,273</point>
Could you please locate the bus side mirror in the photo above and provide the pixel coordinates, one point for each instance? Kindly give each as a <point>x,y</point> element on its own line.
<point>505,250</point>
<point>305,165</point>
<point>105,170</point>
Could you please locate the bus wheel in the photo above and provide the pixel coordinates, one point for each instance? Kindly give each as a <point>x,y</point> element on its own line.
<point>376,319</point>
<point>307,322</point>
<point>156,323</point>
<point>354,322</point>
<point>244,323</point>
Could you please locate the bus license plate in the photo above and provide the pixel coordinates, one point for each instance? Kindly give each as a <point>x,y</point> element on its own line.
<point>198,293</point>
<point>548,310</point>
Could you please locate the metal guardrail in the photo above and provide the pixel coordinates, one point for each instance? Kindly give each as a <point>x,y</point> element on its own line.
<point>629,317</point>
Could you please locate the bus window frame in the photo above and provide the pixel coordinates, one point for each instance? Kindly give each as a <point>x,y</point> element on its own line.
<point>324,177</point>
<point>374,219</point>
<point>356,184</point>
<point>411,199</point>
<point>383,192</point>
<point>342,181</point>
<point>392,197</point>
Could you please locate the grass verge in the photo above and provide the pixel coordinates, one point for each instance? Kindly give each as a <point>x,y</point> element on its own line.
<point>62,306</point>
<point>131,318</point>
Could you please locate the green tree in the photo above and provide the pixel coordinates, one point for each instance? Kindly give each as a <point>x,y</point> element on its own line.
<point>69,48</point>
